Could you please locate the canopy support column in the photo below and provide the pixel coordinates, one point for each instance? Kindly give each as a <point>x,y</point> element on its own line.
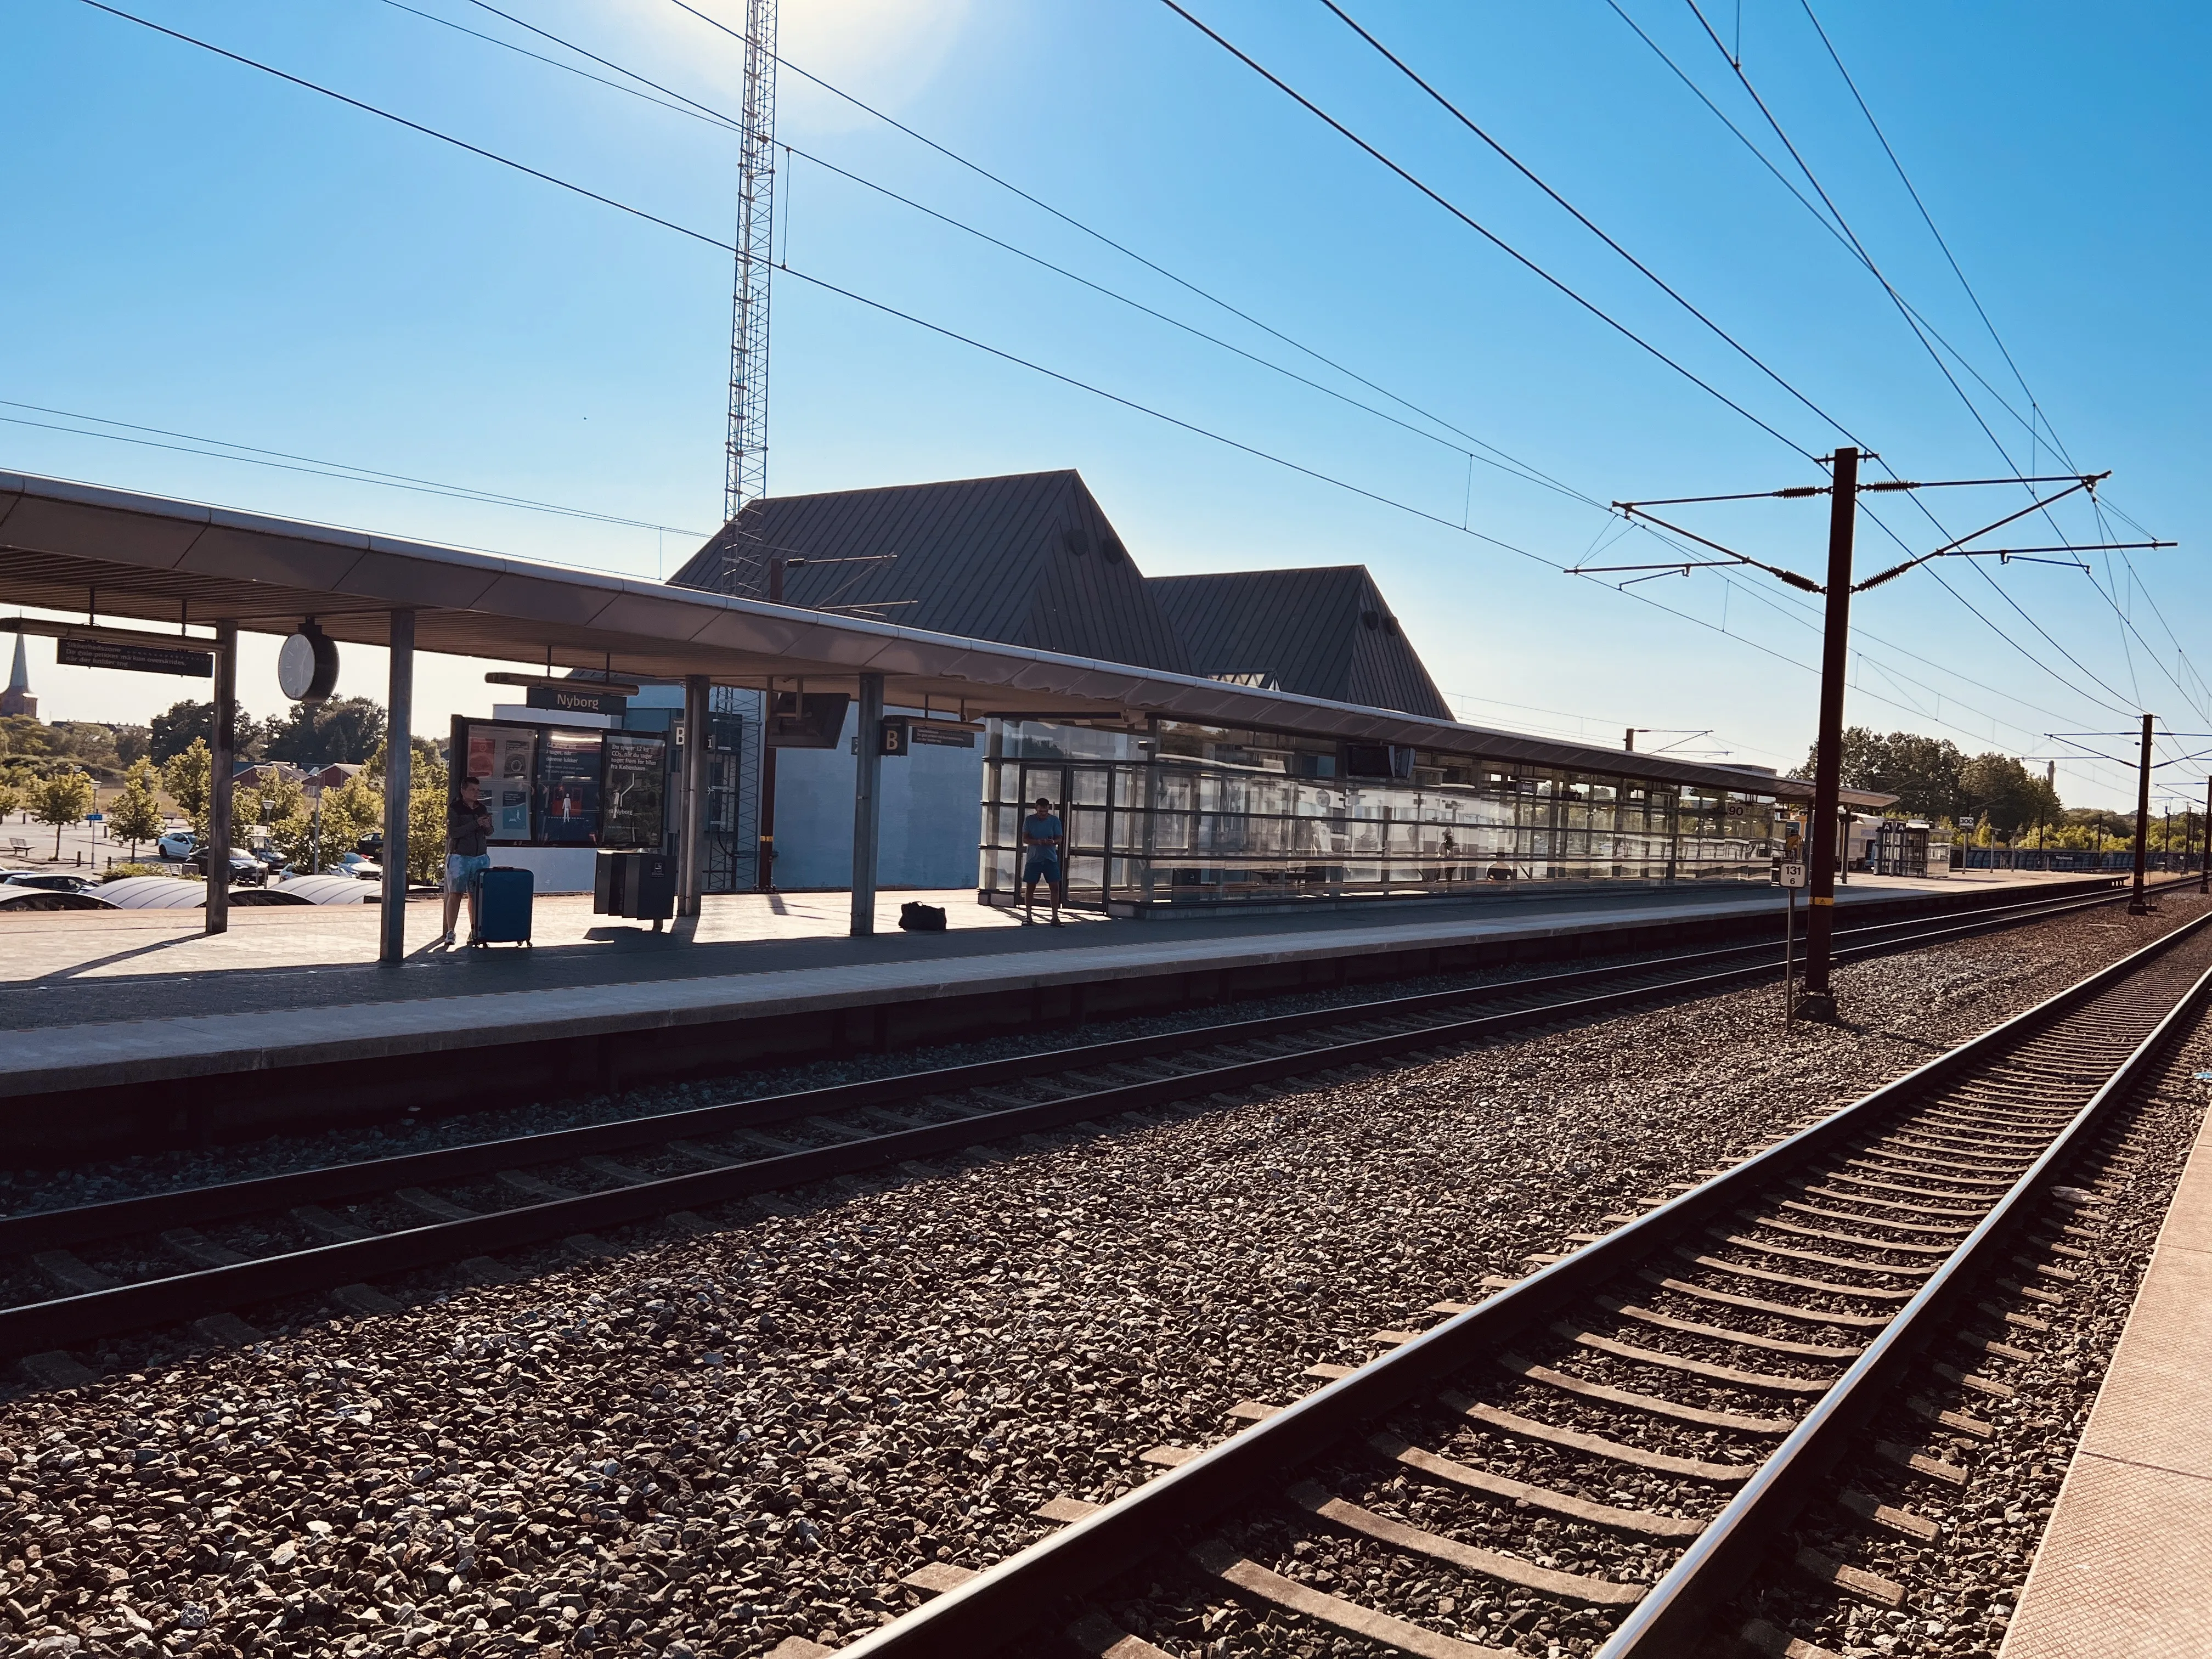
<point>398,773</point>
<point>689,875</point>
<point>867,779</point>
<point>222,763</point>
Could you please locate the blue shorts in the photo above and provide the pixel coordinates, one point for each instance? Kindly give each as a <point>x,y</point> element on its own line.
<point>1041,867</point>
<point>462,869</point>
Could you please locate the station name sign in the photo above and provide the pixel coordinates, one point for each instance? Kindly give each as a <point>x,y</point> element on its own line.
<point>578,701</point>
<point>78,652</point>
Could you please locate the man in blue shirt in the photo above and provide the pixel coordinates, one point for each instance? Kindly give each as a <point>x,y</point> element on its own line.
<point>1043,835</point>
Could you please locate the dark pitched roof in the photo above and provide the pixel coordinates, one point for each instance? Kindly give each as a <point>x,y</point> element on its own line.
<point>1324,632</point>
<point>1029,560</point>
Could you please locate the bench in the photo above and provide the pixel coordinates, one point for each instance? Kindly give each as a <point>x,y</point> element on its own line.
<point>19,846</point>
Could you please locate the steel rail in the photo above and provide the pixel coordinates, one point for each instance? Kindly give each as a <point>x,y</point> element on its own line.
<point>1000,1604</point>
<point>1673,1617</point>
<point>67,1320</point>
<point>42,1230</point>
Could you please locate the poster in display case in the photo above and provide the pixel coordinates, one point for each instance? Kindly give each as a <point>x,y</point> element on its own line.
<point>502,759</point>
<point>568,787</point>
<point>634,802</point>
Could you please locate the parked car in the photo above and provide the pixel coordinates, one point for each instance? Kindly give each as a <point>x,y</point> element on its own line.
<point>246,870</point>
<point>179,843</point>
<point>270,857</point>
<point>360,869</point>
<point>54,884</point>
<point>370,846</point>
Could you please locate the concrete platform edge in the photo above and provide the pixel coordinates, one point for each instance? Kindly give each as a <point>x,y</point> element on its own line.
<point>2125,1567</point>
<point>206,1046</point>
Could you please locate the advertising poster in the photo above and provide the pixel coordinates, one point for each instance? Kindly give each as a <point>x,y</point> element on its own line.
<point>633,813</point>
<point>501,758</point>
<point>569,788</point>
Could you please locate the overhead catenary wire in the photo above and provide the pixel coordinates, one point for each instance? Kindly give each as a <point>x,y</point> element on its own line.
<point>1120,247</point>
<point>2040,420</point>
<point>1584,220</point>
<point>1803,200</point>
<point>1837,227</point>
<point>1561,201</point>
<point>717,243</point>
<point>1473,450</point>
<point>284,461</point>
<point>1865,257</point>
<point>1928,219</point>
<point>1485,231</point>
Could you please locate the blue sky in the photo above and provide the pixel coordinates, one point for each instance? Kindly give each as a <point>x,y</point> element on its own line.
<point>196,246</point>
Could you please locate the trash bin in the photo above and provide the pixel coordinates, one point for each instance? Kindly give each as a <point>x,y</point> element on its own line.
<point>640,886</point>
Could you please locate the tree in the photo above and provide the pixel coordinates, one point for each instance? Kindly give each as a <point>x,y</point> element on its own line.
<point>2005,795</point>
<point>1922,773</point>
<point>176,726</point>
<point>136,814</point>
<point>347,729</point>
<point>62,801</point>
<point>279,806</point>
<point>426,808</point>
<point>186,776</point>
<point>10,797</point>
<point>132,743</point>
<point>349,812</point>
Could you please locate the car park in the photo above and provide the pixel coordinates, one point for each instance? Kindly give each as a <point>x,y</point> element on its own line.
<point>246,870</point>
<point>53,883</point>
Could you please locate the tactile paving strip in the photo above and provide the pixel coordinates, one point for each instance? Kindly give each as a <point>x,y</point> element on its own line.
<point>2126,1568</point>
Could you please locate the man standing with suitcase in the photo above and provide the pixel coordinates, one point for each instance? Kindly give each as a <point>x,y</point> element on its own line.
<point>468,855</point>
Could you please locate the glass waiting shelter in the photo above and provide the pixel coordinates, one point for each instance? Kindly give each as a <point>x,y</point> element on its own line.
<point>1187,814</point>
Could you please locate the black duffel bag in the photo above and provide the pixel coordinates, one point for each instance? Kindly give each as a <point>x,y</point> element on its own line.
<point>922,918</point>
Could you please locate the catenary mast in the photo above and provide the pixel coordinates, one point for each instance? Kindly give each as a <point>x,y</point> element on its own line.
<point>746,476</point>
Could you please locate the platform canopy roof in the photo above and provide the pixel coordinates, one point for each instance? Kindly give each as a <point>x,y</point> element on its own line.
<point>75,548</point>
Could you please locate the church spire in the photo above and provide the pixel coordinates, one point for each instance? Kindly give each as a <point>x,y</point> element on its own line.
<point>17,698</point>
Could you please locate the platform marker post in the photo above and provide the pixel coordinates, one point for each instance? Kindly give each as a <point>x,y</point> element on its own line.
<point>2139,905</point>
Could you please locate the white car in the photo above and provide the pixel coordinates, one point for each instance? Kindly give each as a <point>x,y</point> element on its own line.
<point>360,869</point>
<point>178,844</point>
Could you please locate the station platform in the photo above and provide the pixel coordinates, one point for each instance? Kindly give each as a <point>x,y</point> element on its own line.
<point>133,1029</point>
<point>2125,1570</point>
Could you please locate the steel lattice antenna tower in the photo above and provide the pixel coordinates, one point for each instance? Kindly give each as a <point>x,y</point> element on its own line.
<point>747,474</point>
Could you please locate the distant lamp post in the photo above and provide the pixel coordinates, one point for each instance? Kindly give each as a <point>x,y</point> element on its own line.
<point>313,791</point>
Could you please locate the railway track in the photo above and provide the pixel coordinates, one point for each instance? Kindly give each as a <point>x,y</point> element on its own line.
<point>73,1276</point>
<point>1604,1452</point>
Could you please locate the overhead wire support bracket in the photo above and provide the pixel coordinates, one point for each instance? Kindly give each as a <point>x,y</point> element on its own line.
<point>2088,481</point>
<point>1630,509</point>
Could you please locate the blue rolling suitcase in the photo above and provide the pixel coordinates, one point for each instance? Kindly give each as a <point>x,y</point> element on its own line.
<point>503,898</point>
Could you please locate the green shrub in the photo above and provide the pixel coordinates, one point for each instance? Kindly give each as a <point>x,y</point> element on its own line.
<point>116,872</point>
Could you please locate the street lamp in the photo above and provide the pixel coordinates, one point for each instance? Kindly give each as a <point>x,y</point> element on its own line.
<point>313,791</point>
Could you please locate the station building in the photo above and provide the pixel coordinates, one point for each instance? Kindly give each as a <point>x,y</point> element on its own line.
<point>1170,810</point>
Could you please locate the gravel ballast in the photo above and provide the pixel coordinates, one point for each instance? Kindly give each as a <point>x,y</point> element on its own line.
<point>1962,1589</point>
<point>710,1443</point>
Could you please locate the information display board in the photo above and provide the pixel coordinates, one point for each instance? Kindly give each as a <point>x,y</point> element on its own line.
<point>78,652</point>
<point>634,806</point>
<point>502,759</point>
<point>568,787</point>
